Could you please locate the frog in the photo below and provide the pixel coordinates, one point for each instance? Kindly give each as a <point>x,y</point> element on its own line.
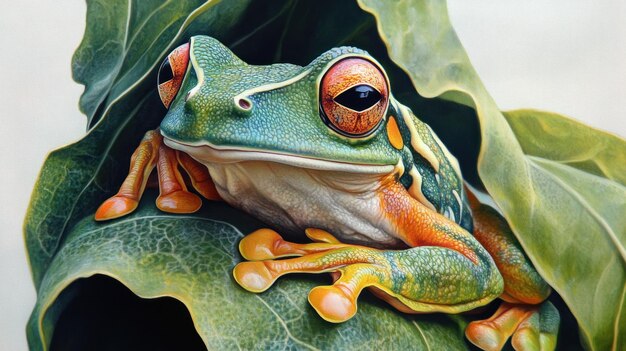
<point>326,150</point>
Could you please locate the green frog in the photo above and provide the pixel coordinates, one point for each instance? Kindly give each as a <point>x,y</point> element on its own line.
<point>326,150</point>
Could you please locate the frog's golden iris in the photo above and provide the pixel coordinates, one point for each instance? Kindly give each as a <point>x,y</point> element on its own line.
<point>353,97</point>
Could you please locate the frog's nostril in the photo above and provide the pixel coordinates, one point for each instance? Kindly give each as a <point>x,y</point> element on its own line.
<point>244,104</point>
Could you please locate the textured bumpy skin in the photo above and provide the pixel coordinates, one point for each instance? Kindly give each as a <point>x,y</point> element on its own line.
<point>285,118</point>
<point>372,186</point>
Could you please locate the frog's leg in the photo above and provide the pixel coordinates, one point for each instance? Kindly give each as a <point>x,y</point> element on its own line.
<point>174,197</point>
<point>142,163</point>
<point>533,326</point>
<point>447,271</point>
<point>173,194</point>
<point>199,175</point>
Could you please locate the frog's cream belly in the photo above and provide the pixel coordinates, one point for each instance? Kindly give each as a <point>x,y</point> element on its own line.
<point>293,199</point>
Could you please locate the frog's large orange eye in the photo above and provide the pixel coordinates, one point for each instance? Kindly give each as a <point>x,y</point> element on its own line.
<point>171,73</point>
<point>353,97</point>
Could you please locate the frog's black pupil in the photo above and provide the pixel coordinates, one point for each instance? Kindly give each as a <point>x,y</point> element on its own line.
<point>165,72</point>
<point>359,97</point>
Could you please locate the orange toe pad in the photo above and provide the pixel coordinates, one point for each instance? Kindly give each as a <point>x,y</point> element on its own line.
<point>114,207</point>
<point>332,303</point>
<point>179,202</point>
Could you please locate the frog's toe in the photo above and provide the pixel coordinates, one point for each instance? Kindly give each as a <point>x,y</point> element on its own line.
<point>266,244</point>
<point>539,331</point>
<point>142,163</point>
<point>321,236</point>
<point>179,202</point>
<point>114,207</point>
<point>254,276</point>
<point>486,336</point>
<point>338,302</point>
<point>263,244</point>
<point>333,303</point>
<point>533,328</point>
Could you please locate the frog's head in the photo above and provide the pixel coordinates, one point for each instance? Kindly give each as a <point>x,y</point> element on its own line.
<point>331,114</point>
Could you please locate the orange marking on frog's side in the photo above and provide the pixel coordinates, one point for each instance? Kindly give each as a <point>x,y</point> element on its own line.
<point>393,133</point>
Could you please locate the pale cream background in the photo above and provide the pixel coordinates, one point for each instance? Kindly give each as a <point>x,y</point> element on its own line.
<point>562,55</point>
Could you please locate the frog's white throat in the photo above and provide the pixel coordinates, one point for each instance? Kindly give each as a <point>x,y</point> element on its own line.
<point>294,193</point>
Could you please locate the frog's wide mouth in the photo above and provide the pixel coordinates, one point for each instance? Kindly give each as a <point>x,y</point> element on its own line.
<point>207,153</point>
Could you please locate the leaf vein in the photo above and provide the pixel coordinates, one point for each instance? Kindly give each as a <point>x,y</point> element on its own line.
<point>419,329</point>
<point>282,323</point>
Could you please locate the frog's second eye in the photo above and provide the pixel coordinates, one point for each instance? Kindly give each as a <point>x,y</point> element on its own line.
<point>171,73</point>
<point>353,97</point>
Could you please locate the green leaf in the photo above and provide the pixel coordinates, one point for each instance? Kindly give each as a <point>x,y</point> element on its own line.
<point>568,217</point>
<point>578,176</point>
<point>557,138</point>
<point>76,178</point>
<point>124,43</point>
<point>191,258</point>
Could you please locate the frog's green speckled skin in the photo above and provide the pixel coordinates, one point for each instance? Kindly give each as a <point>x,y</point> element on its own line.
<point>260,133</point>
<point>287,120</point>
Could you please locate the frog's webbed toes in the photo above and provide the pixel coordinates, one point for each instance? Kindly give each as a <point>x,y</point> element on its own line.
<point>335,303</point>
<point>533,327</point>
<point>354,268</point>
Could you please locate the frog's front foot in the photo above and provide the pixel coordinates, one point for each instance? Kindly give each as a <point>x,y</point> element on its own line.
<point>533,327</point>
<point>417,279</point>
<point>173,194</point>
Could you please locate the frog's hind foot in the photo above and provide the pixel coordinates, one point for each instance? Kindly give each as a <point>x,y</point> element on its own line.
<point>174,196</point>
<point>335,303</point>
<point>533,327</point>
<point>354,268</point>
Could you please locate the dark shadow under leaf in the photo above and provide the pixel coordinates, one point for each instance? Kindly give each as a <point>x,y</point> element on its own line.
<point>105,315</point>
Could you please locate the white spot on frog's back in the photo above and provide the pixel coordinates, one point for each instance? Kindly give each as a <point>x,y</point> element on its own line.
<point>417,143</point>
<point>415,190</point>
<point>449,213</point>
